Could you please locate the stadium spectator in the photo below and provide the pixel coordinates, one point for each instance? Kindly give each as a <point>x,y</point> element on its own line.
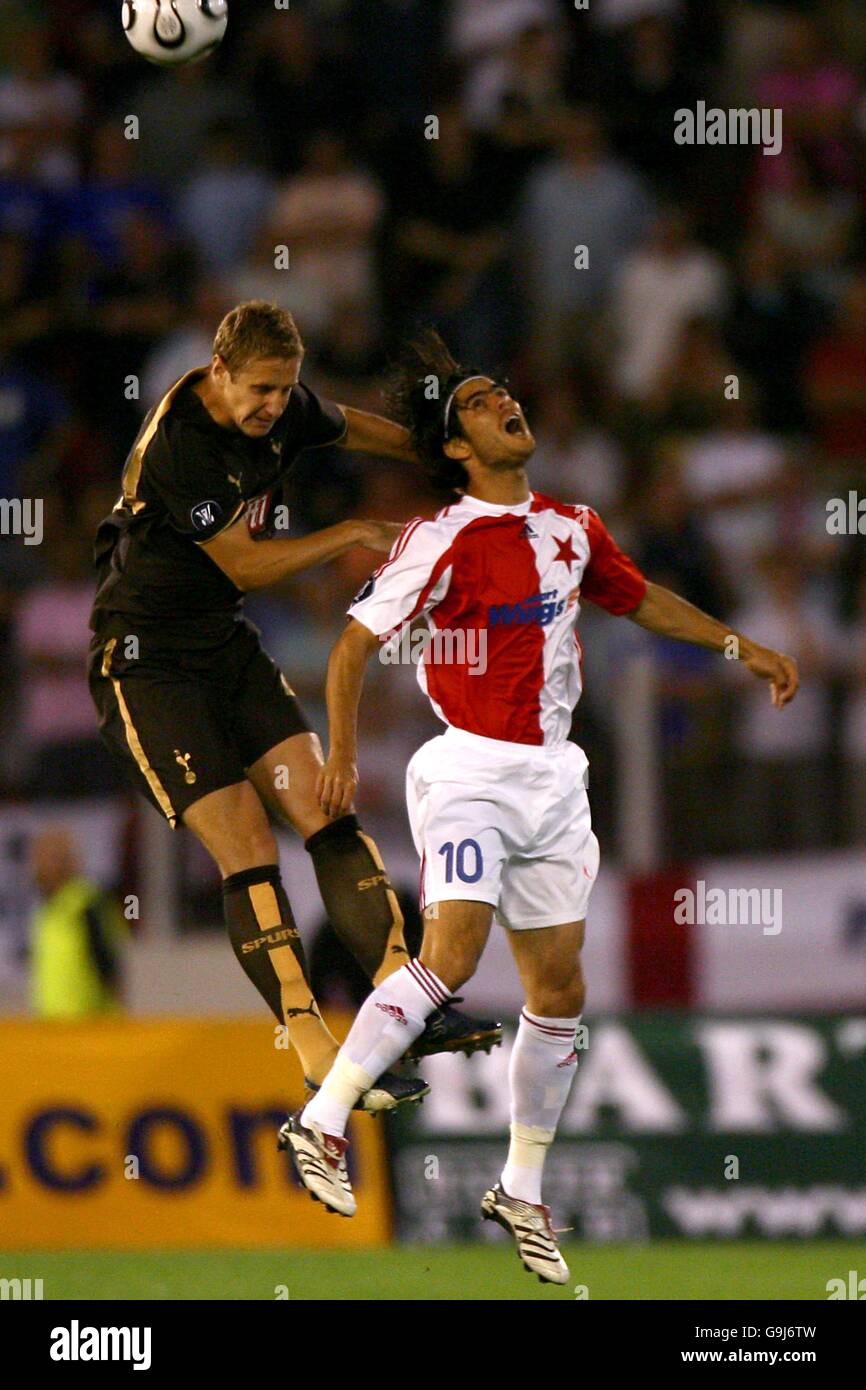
<point>479,32</point>
<point>617,14</point>
<point>349,363</point>
<point>327,215</point>
<point>264,274</point>
<point>735,473</point>
<point>575,459</point>
<point>817,92</point>
<point>293,87</point>
<point>514,93</point>
<point>689,392</point>
<point>175,110</point>
<point>77,934</point>
<point>33,428</point>
<point>65,757</point>
<point>812,222</point>
<point>223,205</point>
<point>785,790</point>
<point>136,304</point>
<point>834,377</point>
<point>672,542</point>
<point>97,209</point>
<point>137,301</point>
<point>580,197</point>
<point>388,92</point>
<point>189,344</point>
<point>771,322</point>
<point>27,207</point>
<point>647,83</point>
<point>674,547</point>
<point>660,287</point>
<point>448,244</point>
<point>26,308</point>
<point>35,95</point>
<point>89,45</point>
<point>33,415</point>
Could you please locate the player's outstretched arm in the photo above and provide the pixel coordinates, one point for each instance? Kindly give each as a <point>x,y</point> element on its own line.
<point>252,564</point>
<point>373,434</point>
<point>667,614</point>
<point>338,779</point>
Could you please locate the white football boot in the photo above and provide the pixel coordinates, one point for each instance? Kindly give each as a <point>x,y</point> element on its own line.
<point>320,1160</point>
<point>531,1228</point>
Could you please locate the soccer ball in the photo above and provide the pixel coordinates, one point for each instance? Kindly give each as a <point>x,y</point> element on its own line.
<point>171,32</point>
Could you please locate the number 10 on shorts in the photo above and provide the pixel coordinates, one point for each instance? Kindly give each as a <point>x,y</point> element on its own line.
<point>468,861</point>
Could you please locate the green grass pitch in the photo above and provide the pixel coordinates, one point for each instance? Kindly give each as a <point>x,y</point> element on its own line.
<point>667,1270</point>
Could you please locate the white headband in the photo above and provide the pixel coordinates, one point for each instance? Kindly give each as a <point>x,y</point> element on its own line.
<point>450,400</point>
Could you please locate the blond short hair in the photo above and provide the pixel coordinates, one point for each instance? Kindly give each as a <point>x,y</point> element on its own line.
<point>256,329</point>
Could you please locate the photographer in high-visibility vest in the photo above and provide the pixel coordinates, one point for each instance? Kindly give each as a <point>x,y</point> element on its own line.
<point>77,934</point>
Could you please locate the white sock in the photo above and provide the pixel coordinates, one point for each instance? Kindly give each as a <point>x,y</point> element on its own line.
<point>388,1022</point>
<point>540,1074</point>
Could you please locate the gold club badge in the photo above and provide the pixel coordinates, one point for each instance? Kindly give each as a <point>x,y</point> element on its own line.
<point>183,759</point>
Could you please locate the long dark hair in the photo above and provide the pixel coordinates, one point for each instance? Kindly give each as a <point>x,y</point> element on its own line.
<point>421,378</point>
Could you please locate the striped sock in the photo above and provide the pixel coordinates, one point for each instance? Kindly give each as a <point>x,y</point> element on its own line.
<point>542,1067</point>
<point>388,1022</point>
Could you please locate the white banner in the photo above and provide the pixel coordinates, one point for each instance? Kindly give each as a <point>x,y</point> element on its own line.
<point>808,951</point>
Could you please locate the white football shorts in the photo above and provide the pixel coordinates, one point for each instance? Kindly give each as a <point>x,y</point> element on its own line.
<point>506,824</point>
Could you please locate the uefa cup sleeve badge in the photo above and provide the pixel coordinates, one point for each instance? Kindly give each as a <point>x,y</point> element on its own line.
<point>183,758</point>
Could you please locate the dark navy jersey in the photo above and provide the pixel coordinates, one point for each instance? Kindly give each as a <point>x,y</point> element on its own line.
<point>186,479</point>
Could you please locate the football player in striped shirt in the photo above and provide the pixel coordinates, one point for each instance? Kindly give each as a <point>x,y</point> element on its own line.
<point>498,802</point>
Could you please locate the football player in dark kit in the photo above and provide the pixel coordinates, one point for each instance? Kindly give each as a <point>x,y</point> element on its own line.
<point>203,721</point>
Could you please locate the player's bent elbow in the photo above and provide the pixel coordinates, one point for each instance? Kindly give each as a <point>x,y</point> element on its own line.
<point>232,560</point>
<point>239,576</point>
<point>248,580</point>
<point>357,637</point>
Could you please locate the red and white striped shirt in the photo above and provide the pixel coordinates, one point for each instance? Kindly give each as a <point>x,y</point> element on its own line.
<point>505,582</point>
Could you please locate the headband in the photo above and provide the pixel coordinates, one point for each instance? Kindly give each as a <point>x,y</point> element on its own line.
<point>476,376</point>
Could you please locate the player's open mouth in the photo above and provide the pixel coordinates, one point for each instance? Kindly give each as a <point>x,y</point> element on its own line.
<point>514,425</point>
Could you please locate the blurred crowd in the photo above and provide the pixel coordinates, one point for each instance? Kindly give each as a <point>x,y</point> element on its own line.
<point>698,375</point>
